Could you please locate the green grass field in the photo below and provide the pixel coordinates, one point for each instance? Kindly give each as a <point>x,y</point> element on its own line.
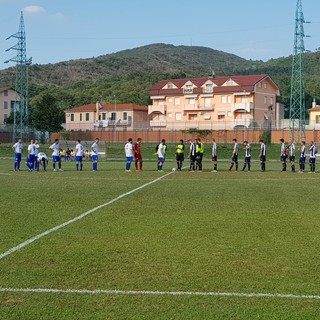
<point>242,233</point>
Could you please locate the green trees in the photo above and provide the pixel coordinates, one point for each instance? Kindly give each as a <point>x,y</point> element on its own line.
<point>46,114</point>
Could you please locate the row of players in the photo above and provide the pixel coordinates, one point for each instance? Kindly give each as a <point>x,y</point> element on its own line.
<point>196,151</point>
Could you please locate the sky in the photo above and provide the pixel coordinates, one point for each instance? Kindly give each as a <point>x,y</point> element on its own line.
<point>62,30</point>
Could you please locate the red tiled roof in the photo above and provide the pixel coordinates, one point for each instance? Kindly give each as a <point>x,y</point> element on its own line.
<point>316,108</point>
<point>245,83</point>
<point>108,107</point>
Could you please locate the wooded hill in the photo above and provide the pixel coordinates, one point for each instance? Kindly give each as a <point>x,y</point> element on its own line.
<point>126,76</point>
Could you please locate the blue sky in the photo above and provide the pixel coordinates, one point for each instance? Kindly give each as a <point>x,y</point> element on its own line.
<point>61,30</point>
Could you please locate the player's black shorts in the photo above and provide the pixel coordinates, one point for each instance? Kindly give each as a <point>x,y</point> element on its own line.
<point>292,158</point>
<point>214,158</point>
<point>247,159</point>
<point>312,160</point>
<point>302,160</point>
<point>180,157</point>
<point>234,158</point>
<point>283,158</point>
<point>263,158</point>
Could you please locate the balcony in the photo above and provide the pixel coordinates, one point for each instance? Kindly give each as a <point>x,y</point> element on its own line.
<point>158,123</point>
<point>241,123</point>
<point>157,108</point>
<point>242,106</point>
<point>197,107</point>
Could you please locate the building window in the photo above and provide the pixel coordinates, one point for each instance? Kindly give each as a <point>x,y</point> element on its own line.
<point>260,85</point>
<point>170,100</point>
<point>229,114</point>
<point>5,93</point>
<point>193,117</point>
<point>160,102</point>
<point>178,116</point>
<point>318,119</point>
<point>113,116</point>
<point>207,116</point>
<point>208,88</point>
<point>170,85</point>
<point>221,116</point>
<point>87,116</point>
<point>265,86</point>
<point>5,105</point>
<point>170,115</point>
<point>5,116</point>
<point>265,100</point>
<point>207,102</point>
<point>80,116</point>
<point>188,88</point>
<point>72,117</point>
<point>191,101</point>
<point>125,116</point>
<point>271,101</point>
<point>177,101</point>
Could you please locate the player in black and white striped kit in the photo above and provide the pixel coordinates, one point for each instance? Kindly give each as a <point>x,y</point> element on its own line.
<point>234,159</point>
<point>302,160</point>
<point>262,155</point>
<point>292,156</point>
<point>247,159</point>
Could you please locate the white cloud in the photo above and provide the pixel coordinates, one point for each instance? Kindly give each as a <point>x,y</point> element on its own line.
<point>33,10</point>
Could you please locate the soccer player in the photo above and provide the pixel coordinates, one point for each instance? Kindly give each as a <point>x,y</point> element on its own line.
<point>138,154</point>
<point>247,159</point>
<point>302,160</point>
<point>214,155</point>
<point>31,155</point>
<point>199,153</point>
<point>312,158</point>
<point>79,155</point>
<point>128,148</point>
<point>234,158</point>
<point>292,155</point>
<point>161,155</point>
<point>262,155</point>
<point>180,154</point>
<point>55,148</point>
<point>284,155</point>
<point>192,155</point>
<point>17,148</point>
<point>42,159</point>
<point>37,146</point>
<point>94,154</point>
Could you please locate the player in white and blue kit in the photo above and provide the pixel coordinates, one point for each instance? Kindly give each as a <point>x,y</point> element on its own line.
<point>79,155</point>
<point>17,148</point>
<point>43,160</point>
<point>128,148</point>
<point>36,152</point>
<point>161,155</point>
<point>55,148</point>
<point>284,155</point>
<point>31,155</point>
<point>94,154</point>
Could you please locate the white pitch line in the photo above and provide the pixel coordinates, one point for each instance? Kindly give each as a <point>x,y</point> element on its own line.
<point>163,293</point>
<point>47,232</point>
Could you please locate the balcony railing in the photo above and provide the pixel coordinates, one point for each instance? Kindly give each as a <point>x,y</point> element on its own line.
<point>158,123</point>
<point>242,106</point>
<point>157,108</point>
<point>198,107</point>
<point>241,123</point>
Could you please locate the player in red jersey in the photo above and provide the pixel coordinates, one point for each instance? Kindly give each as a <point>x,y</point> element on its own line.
<point>138,154</point>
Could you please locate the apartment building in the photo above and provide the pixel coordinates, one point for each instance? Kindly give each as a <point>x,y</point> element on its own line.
<point>107,117</point>
<point>8,96</point>
<point>215,103</point>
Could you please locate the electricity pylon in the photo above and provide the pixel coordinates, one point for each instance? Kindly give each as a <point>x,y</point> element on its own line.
<point>20,108</point>
<point>297,98</point>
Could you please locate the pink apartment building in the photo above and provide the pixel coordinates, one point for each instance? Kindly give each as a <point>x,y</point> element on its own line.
<point>215,103</point>
<point>107,117</point>
<point>8,96</point>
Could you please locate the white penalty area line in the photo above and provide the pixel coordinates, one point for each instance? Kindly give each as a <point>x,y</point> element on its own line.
<point>163,293</point>
<point>47,232</point>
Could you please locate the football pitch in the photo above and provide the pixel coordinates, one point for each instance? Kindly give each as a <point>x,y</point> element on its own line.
<point>150,245</point>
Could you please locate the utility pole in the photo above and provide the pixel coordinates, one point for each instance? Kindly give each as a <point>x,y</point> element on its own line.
<point>297,98</point>
<point>21,107</point>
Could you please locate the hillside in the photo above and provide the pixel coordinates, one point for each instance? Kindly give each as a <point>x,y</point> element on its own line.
<point>126,76</point>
